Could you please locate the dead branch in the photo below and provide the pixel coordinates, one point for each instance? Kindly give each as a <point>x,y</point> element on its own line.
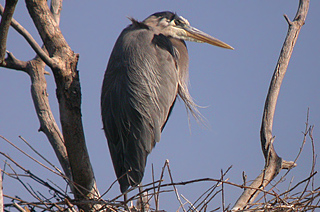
<point>35,46</point>
<point>174,187</point>
<point>68,94</point>
<point>1,192</point>
<point>274,163</point>
<point>4,26</point>
<point>293,199</point>
<point>63,62</point>
<point>23,152</point>
<point>35,69</point>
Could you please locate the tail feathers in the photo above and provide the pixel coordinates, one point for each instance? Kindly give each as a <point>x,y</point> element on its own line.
<point>131,178</point>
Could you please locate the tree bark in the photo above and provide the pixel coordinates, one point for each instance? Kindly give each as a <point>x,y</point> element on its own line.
<point>274,163</point>
<point>48,125</point>
<point>64,68</point>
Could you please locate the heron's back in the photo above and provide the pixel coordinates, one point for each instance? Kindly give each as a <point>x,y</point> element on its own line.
<point>139,88</point>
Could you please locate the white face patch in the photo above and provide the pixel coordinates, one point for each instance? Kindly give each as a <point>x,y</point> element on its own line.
<point>165,22</point>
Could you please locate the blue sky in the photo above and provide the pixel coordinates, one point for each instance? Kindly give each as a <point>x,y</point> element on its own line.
<point>230,85</point>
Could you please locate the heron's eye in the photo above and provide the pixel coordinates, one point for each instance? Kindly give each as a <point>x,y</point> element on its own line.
<point>178,22</point>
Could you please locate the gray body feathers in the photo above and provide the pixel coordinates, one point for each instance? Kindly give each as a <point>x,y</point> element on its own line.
<point>145,73</point>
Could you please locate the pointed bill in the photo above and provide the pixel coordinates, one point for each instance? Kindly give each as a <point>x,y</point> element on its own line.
<point>202,37</point>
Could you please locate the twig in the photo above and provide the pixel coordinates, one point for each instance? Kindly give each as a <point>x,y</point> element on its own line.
<point>12,62</point>
<point>156,199</point>
<point>222,191</point>
<point>174,187</point>
<point>33,149</point>
<point>23,152</point>
<point>1,192</point>
<point>24,202</point>
<point>210,190</point>
<point>108,189</point>
<point>191,205</point>
<point>22,183</point>
<point>32,176</point>
<point>206,204</point>
<point>18,207</point>
<point>313,162</point>
<point>161,177</point>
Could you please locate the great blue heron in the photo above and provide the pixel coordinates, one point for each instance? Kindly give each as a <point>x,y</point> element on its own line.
<point>147,69</point>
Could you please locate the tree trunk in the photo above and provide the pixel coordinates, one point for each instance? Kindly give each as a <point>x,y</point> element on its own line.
<point>63,62</point>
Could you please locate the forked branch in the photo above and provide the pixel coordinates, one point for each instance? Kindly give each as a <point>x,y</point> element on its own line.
<point>35,69</point>
<point>274,163</point>
<point>69,96</point>
<point>63,62</point>
<point>34,45</point>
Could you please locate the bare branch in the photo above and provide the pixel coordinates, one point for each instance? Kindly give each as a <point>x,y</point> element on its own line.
<point>63,64</point>
<point>35,46</point>
<point>35,69</point>
<point>1,192</point>
<point>174,187</point>
<point>13,63</point>
<point>49,30</point>
<point>69,97</point>
<point>274,163</point>
<point>4,26</point>
<point>18,207</point>
<point>48,125</point>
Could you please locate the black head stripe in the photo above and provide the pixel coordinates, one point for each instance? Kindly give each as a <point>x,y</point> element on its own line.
<point>166,14</point>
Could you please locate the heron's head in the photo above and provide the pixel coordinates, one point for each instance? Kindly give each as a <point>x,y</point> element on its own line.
<point>170,24</point>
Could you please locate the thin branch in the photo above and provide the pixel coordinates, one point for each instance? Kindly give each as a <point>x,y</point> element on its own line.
<point>222,192</point>
<point>26,154</point>
<point>274,163</point>
<point>209,192</point>
<point>313,161</point>
<point>190,203</point>
<point>18,207</point>
<point>174,187</point>
<point>13,63</point>
<point>46,160</point>
<point>22,183</point>
<point>161,177</point>
<point>4,26</point>
<point>35,46</point>
<point>1,192</point>
<point>31,176</point>
<point>156,199</point>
